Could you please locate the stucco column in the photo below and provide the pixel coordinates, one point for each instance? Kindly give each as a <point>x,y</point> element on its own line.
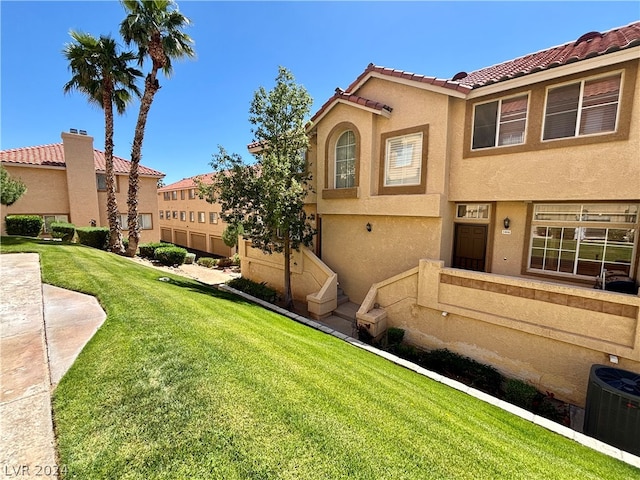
<point>82,188</point>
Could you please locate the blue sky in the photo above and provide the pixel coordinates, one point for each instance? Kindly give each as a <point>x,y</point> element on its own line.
<point>239,47</point>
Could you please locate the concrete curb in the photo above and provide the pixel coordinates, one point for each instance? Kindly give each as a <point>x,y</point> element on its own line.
<point>581,438</point>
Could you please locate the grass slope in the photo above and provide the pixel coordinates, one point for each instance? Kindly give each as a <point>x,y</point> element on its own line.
<point>186,382</point>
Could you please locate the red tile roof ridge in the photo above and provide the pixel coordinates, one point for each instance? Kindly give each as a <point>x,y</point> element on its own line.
<point>52,155</point>
<point>352,98</point>
<point>587,46</point>
<point>188,182</point>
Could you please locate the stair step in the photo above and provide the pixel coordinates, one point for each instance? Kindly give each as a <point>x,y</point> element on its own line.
<point>347,311</point>
<point>339,324</point>
<point>342,298</point>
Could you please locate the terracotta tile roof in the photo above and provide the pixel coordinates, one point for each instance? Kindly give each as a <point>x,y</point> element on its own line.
<point>589,45</point>
<point>391,72</point>
<point>53,156</point>
<point>349,97</point>
<point>187,182</point>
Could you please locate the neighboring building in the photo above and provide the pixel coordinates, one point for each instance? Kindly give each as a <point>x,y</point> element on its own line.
<point>189,221</point>
<point>66,182</point>
<point>476,213</point>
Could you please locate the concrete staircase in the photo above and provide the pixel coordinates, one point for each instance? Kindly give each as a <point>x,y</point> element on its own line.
<point>343,318</point>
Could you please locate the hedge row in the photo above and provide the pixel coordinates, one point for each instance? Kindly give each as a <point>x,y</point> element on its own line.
<point>24,225</point>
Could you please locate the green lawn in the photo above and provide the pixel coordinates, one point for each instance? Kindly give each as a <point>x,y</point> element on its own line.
<point>183,382</point>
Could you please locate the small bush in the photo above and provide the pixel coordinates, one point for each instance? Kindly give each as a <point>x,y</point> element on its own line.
<point>170,255</point>
<point>63,230</point>
<point>148,250</point>
<point>24,225</point>
<point>189,258</point>
<point>208,262</point>
<point>225,262</point>
<point>480,376</point>
<point>395,335</point>
<point>235,260</point>
<point>258,290</point>
<point>96,237</point>
<point>521,393</point>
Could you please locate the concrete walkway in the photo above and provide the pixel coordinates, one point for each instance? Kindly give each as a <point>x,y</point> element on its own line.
<point>42,331</point>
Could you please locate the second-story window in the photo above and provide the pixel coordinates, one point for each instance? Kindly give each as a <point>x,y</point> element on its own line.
<point>346,160</point>
<point>582,108</point>
<point>403,160</point>
<point>174,195</point>
<point>500,123</point>
<point>181,194</point>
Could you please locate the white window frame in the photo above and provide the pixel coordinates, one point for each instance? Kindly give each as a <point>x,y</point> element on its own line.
<point>576,220</point>
<point>499,122</point>
<point>415,139</point>
<point>47,220</point>
<point>581,82</point>
<point>474,211</point>
<point>145,221</point>
<point>350,178</point>
<point>201,217</point>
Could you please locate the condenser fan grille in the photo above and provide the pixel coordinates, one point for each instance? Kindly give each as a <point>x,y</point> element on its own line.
<point>622,380</point>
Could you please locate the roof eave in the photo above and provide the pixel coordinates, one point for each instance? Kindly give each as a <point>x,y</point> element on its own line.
<point>383,112</point>
<point>460,91</point>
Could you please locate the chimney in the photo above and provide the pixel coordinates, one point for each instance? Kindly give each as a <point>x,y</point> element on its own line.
<point>80,167</point>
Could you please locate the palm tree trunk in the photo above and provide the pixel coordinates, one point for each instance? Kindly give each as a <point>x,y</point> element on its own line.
<point>151,86</point>
<point>115,234</point>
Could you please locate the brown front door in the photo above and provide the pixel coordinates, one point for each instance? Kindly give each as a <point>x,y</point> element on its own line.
<point>470,247</point>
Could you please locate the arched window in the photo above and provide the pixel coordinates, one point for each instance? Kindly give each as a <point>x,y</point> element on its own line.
<point>346,160</point>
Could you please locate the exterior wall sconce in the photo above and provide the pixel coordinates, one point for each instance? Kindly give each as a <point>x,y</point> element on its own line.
<point>506,222</point>
<point>368,227</point>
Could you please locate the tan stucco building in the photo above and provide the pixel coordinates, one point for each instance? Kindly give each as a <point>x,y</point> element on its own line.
<point>478,212</point>
<point>190,221</point>
<point>66,182</point>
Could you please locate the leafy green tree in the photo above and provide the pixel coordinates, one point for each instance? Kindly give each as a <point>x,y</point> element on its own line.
<point>105,77</point>
<point>156,28</point>
<point>11,189</point>
<point>267,198</point>
<point>230,235</point>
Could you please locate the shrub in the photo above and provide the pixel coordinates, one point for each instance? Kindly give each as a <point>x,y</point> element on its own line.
<point>148,250</point>
<point>480,376</point>
<point>207,262</point>
<point>189,258</point>
<point>395,335</point>
<point>96,237</point>
<point>24,225</point>
<point>225,262</point>
<point>235,260</point>
<point>63,230</point>
<point>520,393</point>
<point>170,255</point>
<point>258,290</point>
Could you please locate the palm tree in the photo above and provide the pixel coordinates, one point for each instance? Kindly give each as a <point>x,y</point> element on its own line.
<point>155,26</point>
<point>104,75</point>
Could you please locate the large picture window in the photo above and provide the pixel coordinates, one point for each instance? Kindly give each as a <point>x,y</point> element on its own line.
<point>583,108</point>
<point>500,123</point>
<point>583,240</point>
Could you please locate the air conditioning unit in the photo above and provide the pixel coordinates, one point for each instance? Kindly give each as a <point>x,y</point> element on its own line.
<point>612,411</point>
